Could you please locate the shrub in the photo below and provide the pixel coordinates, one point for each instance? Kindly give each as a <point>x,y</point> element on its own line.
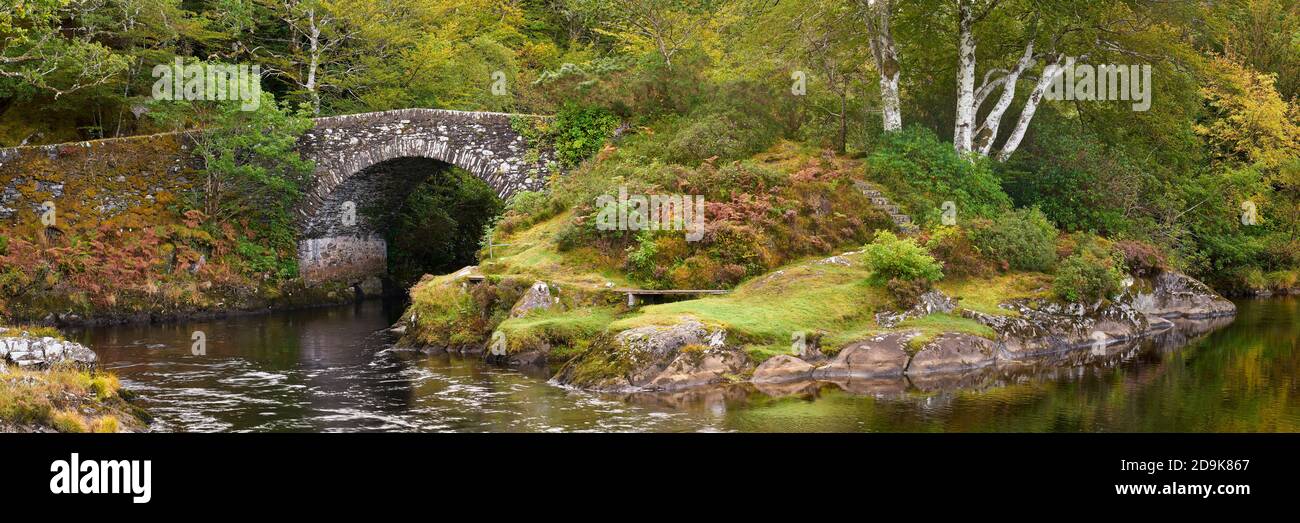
<point>961,259</point>
<point>891,258</point>
<point>1020,239</point>
<point>906,293</point>
<point>1093,273</point>
<point>580,131</point>
<point>922,172</point>
<point>727,136</point>
<point>1141,258</point>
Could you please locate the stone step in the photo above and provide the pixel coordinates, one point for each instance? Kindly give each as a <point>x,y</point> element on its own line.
<point>889,209</point>
<point>880,200</point>
<point>901,218</point>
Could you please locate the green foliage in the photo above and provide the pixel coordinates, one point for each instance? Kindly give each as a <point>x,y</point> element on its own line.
<point>1020,239</point>
<point>258,259</point>
<point>1080,183</point>
<point>961,259</point>
<point>1093,273</point>
<point>890,258</point>
<point>922,172</point>
<point>252,178</point>
<point>580,131</point>
<point>437,228</point>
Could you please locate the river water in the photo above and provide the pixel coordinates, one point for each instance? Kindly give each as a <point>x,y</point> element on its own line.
<point>328,370</point>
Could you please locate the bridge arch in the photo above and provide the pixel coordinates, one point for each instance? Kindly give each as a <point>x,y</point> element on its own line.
<point>355,156</point>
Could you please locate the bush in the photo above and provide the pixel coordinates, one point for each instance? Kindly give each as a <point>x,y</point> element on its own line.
<point>1021,239</point>
<point>527,208</point>
<point>891,258</point>
<point>922,172</point>
<point>961,259</point>
<point>1141,258</point>
<point>580,131</point>
<point>1093,273</point>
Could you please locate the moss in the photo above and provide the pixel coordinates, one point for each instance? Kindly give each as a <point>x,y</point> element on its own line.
<point>554,328</point>
<point>984,295</point>
<point>603,363</point>
<point>66,398</point>
<point>933,325</point>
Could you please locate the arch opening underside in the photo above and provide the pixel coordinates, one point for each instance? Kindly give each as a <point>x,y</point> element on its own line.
<point>341,242</point>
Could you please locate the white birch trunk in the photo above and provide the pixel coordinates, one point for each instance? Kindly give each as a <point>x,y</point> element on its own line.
<point>885,54</point>
<point>1050,71</point>
<point>313,39</point>
<point>988,131</point>
<point>964,126</point>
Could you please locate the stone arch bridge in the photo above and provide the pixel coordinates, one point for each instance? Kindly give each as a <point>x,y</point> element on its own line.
<point>363,162</point>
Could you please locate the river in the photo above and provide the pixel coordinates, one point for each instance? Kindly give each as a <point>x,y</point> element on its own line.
<point>328,370</point>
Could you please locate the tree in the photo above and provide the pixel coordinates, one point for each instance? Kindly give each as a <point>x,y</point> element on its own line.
<point>878,14</point>
<point>251,176</point>
<point>316,39</point>
<point>34,53</point>
<point>666,26</point>
<point>825,35</point>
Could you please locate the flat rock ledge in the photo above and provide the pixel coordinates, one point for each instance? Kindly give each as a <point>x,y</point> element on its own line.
<point>688,354</point>
<point>21,349</point>
<point>1039,331</point>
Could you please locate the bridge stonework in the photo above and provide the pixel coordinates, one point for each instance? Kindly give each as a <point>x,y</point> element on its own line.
<point>363,162</point>
<point>338,241</point>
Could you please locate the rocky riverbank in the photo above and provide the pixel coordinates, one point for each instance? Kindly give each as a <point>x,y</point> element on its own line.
<point>1040,332</point>
<point>48,384</point>
<point>941,340</point>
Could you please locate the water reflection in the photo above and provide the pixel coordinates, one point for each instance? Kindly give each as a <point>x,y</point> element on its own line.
<point>328,370</point>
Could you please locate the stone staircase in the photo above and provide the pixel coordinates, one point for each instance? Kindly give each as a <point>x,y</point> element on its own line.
<point>902,221</point>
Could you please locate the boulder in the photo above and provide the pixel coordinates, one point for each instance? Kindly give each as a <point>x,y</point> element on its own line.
<point>538,297</point>
<point>1177,295</point>
<point>879,356</point>
<point>28,351</point>
<point>782,369</point>
<point>952,352</point>
<point>637,357</point>
<point>928,303</point>
<point>696,368</point>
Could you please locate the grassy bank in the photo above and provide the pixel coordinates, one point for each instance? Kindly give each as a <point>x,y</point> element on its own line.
<point>65,399</point>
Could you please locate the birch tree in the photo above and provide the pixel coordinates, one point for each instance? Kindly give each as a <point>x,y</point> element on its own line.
<point>37,53</point>
<point>878,15</point>
<point>315,39</point>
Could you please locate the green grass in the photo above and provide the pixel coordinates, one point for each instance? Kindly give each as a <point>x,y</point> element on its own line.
<point>33,331</point>
<point>65,399</point>
<point>564,330</point>
<point>935,324</point>
<point>769,309</point>
<point>984,295</point>
<point>533,252</point>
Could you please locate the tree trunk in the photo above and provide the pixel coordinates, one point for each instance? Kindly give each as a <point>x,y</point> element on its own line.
<point>844,119</point>
<point>313,39</point>
<point>963,127</point>
<point>988,131</point>
<point>1050,71</point>
<point>885,54</point>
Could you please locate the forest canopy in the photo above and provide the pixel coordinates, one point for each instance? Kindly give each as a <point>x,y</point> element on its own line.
<point>725,79</point>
